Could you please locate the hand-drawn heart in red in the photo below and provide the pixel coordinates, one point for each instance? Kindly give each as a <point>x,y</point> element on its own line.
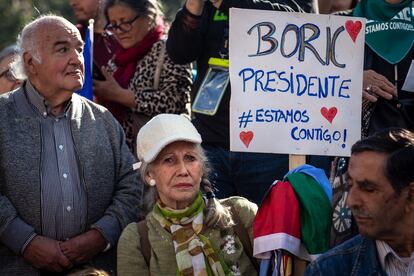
<point>246,137</point>
<point>353,28</point>
<point>329,114</point>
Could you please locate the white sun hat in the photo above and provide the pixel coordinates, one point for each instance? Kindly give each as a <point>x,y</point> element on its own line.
<point>161,131</point>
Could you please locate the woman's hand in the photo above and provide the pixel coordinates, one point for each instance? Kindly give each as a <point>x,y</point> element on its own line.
<point>110,90</point>
<point>376,85</point>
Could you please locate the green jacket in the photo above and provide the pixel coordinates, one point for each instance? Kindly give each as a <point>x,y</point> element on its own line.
<point>132,262</point>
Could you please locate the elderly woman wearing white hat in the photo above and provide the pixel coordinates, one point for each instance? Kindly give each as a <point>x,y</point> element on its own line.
<point>187,231</point>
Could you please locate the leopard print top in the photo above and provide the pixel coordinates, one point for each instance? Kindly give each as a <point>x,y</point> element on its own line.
<point>172,95</point>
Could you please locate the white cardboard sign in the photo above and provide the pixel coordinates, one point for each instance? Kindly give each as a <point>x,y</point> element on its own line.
<point>296,82</point>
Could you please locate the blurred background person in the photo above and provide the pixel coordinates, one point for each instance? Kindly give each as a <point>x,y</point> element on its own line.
<point>388,55</point>
<point>343,5</point>
<point>189,232</point>
<point>200,32</point>
<point>8,81</point>
<point>385,102</point>
<point>141,77</point>
<point>104,46</point>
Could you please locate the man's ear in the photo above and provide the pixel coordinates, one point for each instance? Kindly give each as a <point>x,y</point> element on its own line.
<point>410,198</point>
<point>29,63</point>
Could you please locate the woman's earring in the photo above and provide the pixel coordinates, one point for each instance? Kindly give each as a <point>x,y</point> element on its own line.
<point>152,182</point>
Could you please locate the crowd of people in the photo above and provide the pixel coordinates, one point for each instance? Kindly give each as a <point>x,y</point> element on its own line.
<point>138,182</point>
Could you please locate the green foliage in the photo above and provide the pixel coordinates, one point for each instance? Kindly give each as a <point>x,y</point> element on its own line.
<point>16,13</point>
<point>13,17</point>
<point>59,7</point>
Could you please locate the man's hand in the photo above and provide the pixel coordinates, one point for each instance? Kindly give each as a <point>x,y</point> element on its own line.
<point>195,6</point>
<point>216,3</point>
<point>83,247</point>
<point>376,85</point>
<point>44,253</point>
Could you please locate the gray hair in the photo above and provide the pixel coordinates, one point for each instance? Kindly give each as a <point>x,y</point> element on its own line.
<point>28,42</point>
<point>216,214</point>
<point>150,8</point>
<point>9,51</point>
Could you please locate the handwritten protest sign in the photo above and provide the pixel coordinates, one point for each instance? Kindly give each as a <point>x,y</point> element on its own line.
<point>296,82</point>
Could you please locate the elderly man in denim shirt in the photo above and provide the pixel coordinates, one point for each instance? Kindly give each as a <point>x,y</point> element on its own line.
<point>381,197</point>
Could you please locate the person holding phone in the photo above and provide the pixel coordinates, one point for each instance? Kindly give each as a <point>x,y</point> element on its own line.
<point>141,76</point>
<point>200,32</point>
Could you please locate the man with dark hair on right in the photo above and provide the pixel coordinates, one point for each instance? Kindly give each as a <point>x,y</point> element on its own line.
<point>381,197</point>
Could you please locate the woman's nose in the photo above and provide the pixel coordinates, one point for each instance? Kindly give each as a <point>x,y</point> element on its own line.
<point>182,168</point>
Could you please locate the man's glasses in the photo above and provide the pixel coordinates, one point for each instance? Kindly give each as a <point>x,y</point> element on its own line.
<point>8,75</point>
<point>123,27</point>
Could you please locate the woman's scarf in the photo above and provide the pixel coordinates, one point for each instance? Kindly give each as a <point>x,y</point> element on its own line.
<point>389,29</point>
<point>126,59</point>
<point>193,251</point>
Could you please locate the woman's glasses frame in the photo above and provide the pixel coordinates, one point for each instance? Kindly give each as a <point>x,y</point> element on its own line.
<point>123,27</point>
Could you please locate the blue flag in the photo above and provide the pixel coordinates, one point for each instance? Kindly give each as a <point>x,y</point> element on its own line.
<point>86,90</point>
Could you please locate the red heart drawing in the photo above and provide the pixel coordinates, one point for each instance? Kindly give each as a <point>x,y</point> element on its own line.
<point>353,28</point>
<point>329,114</point>
<point>246,137</point>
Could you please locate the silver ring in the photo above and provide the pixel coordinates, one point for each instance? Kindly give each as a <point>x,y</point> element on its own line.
<point>369,89</point>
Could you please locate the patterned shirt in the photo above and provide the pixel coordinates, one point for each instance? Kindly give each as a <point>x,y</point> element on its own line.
<point>393,264</point>
<point>62,195</point>
<point>171,95</point>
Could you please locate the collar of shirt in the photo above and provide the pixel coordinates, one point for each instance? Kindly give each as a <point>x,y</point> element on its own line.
<point>390,260</point>
<point>41,105</point>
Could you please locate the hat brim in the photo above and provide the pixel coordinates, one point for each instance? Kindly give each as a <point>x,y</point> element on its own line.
<point>153,153</point>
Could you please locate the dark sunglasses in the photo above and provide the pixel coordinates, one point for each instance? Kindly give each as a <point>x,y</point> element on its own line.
<point>123,27</point>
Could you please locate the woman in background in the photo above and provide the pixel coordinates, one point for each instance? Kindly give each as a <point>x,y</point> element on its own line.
<point>141,77</point>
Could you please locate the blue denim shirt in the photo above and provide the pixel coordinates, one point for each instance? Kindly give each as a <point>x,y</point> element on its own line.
<point>356,257</point>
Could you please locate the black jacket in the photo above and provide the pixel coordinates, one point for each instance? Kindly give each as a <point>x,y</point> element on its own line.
<point>197,38</point>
